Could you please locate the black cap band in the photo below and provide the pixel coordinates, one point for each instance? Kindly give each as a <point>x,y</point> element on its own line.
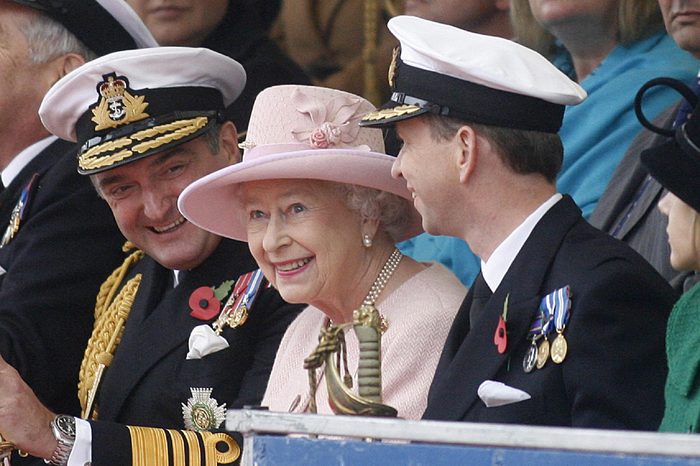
<point>448,96</point>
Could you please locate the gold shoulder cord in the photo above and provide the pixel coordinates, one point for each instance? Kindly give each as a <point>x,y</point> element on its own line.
<point>110,316</point>
<point>373,21</point>
<point>149,447</point>
<point>369,52</point>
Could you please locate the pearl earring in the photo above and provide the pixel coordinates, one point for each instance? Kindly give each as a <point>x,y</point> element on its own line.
<point>367,241</point>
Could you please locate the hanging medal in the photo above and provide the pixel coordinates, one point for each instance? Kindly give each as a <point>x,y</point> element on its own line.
<point>547,309</point>
<point>563,306</point>
<point>500,338</point>
<point>19,211</point>
<point>235,311</point>
<point>533,335</point>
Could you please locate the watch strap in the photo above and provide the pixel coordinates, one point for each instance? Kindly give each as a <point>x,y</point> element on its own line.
<point>65,441</point>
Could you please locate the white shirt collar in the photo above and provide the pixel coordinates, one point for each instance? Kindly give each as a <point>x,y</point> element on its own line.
<point>503,256</point>
<point>22,159</point>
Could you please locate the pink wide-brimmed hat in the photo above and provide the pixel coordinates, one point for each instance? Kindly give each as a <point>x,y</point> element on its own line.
<point>296,132</point>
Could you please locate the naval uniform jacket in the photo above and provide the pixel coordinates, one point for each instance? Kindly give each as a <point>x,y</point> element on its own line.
<point>150,378</point>
<point>614,373</point>
<point>66,245</point>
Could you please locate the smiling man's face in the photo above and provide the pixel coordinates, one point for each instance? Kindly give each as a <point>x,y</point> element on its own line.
<point>143,198</point>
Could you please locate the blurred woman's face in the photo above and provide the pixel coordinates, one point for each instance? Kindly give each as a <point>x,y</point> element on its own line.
<point>682,20</point>
<point>305,239</point>
<point>180,22</point>
<point>465,14</point>
<point>683,232</point>
<point>560,12</point>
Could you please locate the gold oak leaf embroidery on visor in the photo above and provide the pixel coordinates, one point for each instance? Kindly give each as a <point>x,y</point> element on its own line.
<point>387,113</point>
<point>93,158</point>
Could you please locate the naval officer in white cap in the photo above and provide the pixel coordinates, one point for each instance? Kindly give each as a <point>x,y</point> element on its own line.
<point>147,123</point>
<point>563,326</point>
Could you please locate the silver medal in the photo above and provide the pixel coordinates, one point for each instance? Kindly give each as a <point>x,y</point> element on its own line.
<point>530,359</point>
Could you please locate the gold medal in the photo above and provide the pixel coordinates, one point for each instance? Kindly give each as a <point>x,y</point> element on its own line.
<point>542,353</point>
<point>559,348</point>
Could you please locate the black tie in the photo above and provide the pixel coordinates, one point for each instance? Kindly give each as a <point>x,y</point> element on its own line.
<point>481,295</point>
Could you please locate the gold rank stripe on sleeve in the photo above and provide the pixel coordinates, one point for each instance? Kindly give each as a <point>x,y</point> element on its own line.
<point>166,447</point>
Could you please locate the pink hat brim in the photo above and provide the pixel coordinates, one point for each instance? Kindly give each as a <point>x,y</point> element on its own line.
<point>214,201</point>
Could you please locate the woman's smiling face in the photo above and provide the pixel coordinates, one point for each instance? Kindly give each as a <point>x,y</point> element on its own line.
<point>305,238</point>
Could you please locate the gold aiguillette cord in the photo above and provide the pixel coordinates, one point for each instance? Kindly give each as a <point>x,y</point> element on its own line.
<point>6,449</point>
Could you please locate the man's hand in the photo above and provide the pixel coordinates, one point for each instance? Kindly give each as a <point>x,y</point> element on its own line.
<point>23,419</point>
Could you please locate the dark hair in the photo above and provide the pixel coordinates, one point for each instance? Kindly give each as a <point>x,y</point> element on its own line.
<point>211,137</point>
<point>524,152</point>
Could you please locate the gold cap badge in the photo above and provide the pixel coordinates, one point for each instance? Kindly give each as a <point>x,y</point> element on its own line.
<point>117,106</point>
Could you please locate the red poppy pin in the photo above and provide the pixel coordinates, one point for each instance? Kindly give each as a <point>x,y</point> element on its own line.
<point>205,301</point>
<point>500,338</point>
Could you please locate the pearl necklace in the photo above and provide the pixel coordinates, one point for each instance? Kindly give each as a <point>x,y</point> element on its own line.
<point>380,282</point>
<point>383,277</point>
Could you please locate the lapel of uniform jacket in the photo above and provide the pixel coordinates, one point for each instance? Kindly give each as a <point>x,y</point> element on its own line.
<point>162,322</point>
<point>465,364</point>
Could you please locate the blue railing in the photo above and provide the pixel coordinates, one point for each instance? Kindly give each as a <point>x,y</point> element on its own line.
<point>298,439</point>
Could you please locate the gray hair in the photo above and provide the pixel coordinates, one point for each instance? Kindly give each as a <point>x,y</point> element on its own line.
<point>393,212</point>
<point>49,39</point>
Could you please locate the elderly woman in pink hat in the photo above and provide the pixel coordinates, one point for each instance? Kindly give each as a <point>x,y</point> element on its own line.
<point>315,200</point>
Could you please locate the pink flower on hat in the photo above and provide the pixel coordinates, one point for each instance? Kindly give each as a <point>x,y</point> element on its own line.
<point>331,124</point>
<point>325,136</point>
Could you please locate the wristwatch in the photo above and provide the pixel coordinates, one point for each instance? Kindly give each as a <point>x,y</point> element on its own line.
<point>63,428</point>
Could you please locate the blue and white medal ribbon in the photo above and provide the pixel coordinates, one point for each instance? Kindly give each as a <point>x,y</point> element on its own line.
<point>547,310</point>
<point>253,287</point>
<point>235,311</point>
<point>561,318</point>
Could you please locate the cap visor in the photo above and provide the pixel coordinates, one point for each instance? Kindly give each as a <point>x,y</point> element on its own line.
<point>390,113</point>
